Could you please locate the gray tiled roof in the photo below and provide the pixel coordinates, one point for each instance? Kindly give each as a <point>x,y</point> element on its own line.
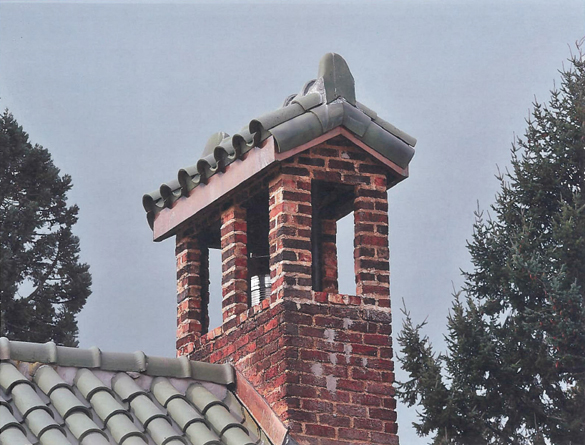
<point>322,105</point>
<point>53,395</point>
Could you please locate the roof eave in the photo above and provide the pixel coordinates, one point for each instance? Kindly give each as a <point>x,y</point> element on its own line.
<point>168,220</point>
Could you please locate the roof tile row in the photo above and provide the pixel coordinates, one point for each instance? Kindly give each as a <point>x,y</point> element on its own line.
<point>52,404</point>
<point>180,367</point>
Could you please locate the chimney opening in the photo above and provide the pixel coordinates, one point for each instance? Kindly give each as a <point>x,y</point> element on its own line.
<point>259,283</point>
<point>345,260</point>
<point>330,202</point>
<point>211,275</point>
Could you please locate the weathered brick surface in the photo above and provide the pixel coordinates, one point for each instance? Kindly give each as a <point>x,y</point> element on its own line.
<point>322,360</point>
<point>234,262</point>
<point>192,291</point>
<point>331,383</point>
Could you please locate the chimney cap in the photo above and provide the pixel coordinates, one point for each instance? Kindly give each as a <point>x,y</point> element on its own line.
<point>337,78</point>
<point>322,105</point>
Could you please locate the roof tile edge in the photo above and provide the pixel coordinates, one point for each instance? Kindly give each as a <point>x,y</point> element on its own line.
<point>93,358</point>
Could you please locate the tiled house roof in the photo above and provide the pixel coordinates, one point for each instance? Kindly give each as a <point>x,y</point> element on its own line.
<point>323,104</point>
<point>58,395</point>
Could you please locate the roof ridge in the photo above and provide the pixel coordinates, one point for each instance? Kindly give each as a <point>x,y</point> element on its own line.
<point>322,104</point>
<point>94,358</point>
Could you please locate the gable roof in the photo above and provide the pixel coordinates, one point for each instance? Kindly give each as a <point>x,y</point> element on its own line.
<point>58,395</point>
<point>322,105</point>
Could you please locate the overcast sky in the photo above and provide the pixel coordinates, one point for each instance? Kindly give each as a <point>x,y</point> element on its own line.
<point>123,95</point>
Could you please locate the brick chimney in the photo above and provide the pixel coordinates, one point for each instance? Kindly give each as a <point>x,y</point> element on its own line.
<point>270,198</point>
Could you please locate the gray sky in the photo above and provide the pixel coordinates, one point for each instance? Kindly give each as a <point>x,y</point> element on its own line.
<point>123,95</point>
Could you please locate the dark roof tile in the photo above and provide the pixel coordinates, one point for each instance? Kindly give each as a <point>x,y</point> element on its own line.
<point>322,105</point>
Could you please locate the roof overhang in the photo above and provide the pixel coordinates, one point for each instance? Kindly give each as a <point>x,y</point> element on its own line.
<point>168,220</point>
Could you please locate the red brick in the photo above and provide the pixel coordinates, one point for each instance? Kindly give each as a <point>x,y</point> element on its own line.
<point>319,430</point>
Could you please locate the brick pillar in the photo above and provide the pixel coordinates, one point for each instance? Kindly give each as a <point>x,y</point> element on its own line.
<point>371,253</point>
<point>234,256</point>
<point>192,291</point>
<point>329,246</point>
<point>290,233</point>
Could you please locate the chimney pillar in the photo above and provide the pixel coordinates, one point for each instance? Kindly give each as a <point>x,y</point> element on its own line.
<point>192,291</point>
<point>234,255</point>
<point>290,234</point>
<point>371,252</point>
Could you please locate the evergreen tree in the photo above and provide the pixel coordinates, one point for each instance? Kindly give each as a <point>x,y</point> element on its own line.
<point>514,371</point>
<point>42,283</point>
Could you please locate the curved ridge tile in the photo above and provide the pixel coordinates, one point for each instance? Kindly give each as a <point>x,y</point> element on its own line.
<point>223,374</point>
<point>149,201</point>
<point>368,111</point>
<point>213,141</point>
<point>188,178</point>
<point>355,121</point>
<point>270,120</point>
<point>169,367</point>
<point>33,352</point>
<point>244,141</point>
<point>307,87</point>
<point>224,154</point>
<point>395,131</point>
<point>207,167</point>
<point>388,145</point>
<point>122,361</point>
<point>89,358</point>
<point>297,131</point>
<point>308,101</point>
<point>168,195</point>
<point>329,115</point>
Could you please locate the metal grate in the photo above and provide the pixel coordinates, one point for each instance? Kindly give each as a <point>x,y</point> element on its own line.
<point>260,287</point>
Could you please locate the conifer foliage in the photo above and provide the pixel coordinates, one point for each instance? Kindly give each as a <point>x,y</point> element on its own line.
<point>514,371</point>
<point>43,285</point>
